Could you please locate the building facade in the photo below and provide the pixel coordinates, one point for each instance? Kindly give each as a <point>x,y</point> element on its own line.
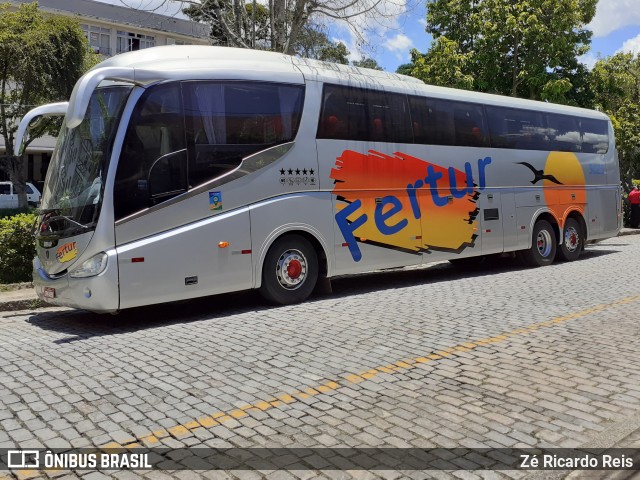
<point>110,30</point>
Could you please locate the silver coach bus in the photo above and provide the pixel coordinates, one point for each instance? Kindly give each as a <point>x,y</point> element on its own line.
<point>187,171</point>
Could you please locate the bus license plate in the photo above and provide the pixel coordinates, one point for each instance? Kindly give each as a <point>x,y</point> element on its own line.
<point>49,292</point>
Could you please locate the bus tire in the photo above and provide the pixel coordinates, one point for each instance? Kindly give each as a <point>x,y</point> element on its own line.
<point>290,270</point>
<point>572,241</point>
<point>543,246</point>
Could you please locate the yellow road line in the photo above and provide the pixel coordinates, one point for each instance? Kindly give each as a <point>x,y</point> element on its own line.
<point>219,418</point>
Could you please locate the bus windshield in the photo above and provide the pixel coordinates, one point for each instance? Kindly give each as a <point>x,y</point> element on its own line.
<point>72,194</point>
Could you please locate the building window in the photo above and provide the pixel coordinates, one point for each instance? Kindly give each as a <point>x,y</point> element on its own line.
<point>99,38</point>
<point>128,41</point>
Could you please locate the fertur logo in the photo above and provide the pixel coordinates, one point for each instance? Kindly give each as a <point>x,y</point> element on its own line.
<point>66,252</point>
<point>405,203</point>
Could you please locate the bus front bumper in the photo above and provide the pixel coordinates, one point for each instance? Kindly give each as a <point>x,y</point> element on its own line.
<point>97,294</point>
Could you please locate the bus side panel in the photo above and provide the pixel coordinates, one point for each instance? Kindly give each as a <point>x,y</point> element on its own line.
<point>509,220</point>
<point>372,217</point>
<point>188,261</point>
<point>491,217</point>
<point>603,213</point>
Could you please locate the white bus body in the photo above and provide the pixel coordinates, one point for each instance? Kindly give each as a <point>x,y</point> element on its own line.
<point>189,171</point>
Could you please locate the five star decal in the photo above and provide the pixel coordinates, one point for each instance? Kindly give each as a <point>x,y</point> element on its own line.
<point>297,176</point>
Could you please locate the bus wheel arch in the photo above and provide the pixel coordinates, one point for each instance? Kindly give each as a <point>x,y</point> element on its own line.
<point>545,236</point>
<point>573,237</point>
<point>291,267</point>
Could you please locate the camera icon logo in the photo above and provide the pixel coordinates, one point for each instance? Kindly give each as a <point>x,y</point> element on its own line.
<point>23,459</point>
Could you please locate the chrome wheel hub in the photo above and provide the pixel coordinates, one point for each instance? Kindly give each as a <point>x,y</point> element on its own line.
<point>291,269</point>
<point>571,239</point>
<point>544,243</point>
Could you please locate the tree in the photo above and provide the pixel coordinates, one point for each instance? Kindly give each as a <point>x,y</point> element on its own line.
<point>234,23</point>
<point>314,42</point>
<point>406,68</point>
<point>367,63</point>
<point>336,52</point>
<point>443,65</point>
<point>526,48</point>
<point>251,27</point>
<point>41,59</point>
<point>615,83</point>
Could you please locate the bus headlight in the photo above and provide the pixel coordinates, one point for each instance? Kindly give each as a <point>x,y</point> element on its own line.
<point>92,267</point>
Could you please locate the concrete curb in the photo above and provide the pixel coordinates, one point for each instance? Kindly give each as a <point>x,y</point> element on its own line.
<point>25,304</point>
<point>26,298</point>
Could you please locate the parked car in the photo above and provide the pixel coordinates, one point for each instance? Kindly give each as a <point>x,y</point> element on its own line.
<point>9,197</point>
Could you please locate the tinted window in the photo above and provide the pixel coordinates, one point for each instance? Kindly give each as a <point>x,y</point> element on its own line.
<point>433,122</point>
<point>530,130</point>
<point>366,115</point>
<point>564,133</point>
<point>469,124</point>
<point>595,135</point>
<point>232,120</point>
<point>514,128</point>
<point>5,189</point>
<point>28,189</point>
<point>152,166</point>
<point>445,122</point>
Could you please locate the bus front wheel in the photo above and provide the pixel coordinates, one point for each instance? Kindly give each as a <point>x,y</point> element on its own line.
<point>543,246</point>
<point>290,270</point>
<point>572,241</point>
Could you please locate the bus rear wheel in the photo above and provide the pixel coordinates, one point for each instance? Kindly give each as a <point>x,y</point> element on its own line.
<point>543,246</point>
<point>572,241</point>
<point>290,270</point>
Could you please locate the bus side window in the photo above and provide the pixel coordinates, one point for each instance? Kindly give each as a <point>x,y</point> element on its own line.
<point>470,127</point>
<point>433,122</point>
<point>343,115</point>
<point>595,135</point>
<point>564,133</point>
<point>228,121</point>
<point>150,152</point>
<point>517,128</point>
<point>350,113</point>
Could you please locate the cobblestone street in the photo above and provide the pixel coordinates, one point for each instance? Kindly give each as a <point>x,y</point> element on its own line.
<point>429,357</point>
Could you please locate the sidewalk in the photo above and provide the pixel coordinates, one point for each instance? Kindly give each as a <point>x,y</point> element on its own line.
<point>22,299</point>
<point>26,298</point>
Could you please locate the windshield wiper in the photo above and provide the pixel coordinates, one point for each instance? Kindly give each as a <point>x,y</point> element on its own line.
<point>58,216</point>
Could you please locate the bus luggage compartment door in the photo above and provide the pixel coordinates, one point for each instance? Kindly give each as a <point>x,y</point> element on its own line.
<point>208,257</point>
<point>491,219</point>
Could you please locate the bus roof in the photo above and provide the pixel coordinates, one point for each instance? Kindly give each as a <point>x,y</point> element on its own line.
<point>200,62</point>
<point>200,57</point>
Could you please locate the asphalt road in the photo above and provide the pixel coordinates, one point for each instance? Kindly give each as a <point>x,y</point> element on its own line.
<point>501,357</point>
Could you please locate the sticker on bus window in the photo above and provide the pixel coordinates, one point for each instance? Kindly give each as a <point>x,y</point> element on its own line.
<point>215,200</point>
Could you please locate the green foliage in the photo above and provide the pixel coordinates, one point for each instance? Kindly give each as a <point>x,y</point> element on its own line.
<point>405,69</point>
<point>313,42</point>
<point>527,48</point>
<point>280,25</point>
<point>615,83</point>
<point>41,58</point>
<point>367,63</point>
<point>10,212</point>
<point>335,52</point>
<point>443,65</point>
<point>17,248</point>
<point>233,25</point>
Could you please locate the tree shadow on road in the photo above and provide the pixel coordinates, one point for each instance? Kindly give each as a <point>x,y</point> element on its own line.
<point>82,325</point>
